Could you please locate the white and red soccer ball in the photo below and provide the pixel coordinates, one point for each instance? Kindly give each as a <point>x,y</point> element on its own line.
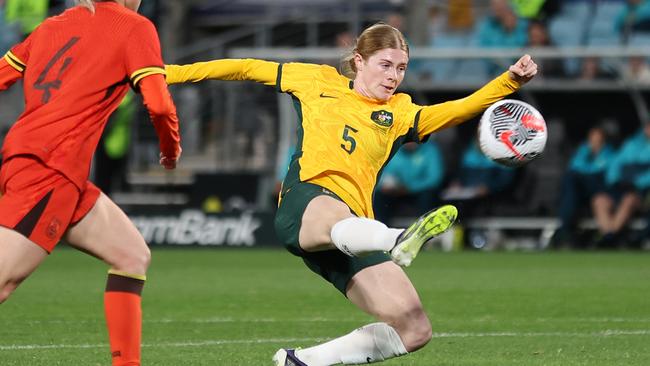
<point>512,132</point>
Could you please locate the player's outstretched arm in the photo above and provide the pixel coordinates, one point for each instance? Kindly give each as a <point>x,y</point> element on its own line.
<point>451,113</point>
<point>162,112</point>
<point>265,72</point>
<point>8,74</point>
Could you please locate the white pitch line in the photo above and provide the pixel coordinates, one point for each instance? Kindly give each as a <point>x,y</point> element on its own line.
<point>349,320</point>
<point>595,320</point>
<point>217,342</point>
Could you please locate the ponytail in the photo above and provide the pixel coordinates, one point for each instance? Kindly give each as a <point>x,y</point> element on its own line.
<point>90,4</point>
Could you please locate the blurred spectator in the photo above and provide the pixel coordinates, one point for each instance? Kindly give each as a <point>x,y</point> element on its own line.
<point>345,40</point>
<point>629,179</point>
<point>592,69</point>
<point>634,17</point>
<point>410,180</point>
<point>479,179</point>
<point>460,15</point>
<point>280,173</point>
<point>502,28</point>
<point>396,20</point>
<point>453,27</point>
<point>27,14</point>
<point>538,36</point>
<point>110,165</point>
<point>535,9</point>
<point>8,36</point>
<point>637,70</point>
<point>480,182</point>
<point>583,182</point>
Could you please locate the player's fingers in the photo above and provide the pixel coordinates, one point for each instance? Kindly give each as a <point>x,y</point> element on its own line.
<point>532,69</point>
<point>516,70</point>
<point>524,61</point>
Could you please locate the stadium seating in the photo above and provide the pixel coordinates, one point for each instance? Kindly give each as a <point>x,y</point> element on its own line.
<point>601,28</point>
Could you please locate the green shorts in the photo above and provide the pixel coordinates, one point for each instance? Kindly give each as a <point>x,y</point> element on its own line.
<point>333,265</point>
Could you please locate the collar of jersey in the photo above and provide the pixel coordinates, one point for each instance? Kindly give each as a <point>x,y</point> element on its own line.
<point>364,98</point>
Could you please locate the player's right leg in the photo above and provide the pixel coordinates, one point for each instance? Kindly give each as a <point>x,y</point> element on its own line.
<point>327,223</point>
<point>35,207</point>
<point>106,232</point>
<point>19,257</point>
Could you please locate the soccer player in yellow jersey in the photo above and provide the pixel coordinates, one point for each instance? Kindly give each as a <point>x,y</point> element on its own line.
<point>349,128</point>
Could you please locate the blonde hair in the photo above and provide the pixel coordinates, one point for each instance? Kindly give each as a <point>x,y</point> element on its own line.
<point>90,4</point>
<point>377,37</point>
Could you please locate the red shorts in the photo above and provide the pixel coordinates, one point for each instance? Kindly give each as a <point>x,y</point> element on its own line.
<point>39,202</point>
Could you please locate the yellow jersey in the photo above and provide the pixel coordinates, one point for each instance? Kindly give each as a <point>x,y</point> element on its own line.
<point>344,138</point>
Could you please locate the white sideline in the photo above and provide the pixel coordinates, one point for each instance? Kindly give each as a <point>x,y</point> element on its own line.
<point>217,342</point>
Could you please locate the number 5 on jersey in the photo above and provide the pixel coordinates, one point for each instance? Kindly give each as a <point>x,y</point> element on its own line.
<point>350,143</point>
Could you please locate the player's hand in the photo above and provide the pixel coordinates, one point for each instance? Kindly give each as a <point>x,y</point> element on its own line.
<point>169,162</point>
<point>523,70</point>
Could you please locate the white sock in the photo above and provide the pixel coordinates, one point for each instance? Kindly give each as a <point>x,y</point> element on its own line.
<point>359,235</point>
<point>371,343</point>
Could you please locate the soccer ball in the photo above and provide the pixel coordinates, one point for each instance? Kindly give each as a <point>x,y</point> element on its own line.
<point>512,132</point>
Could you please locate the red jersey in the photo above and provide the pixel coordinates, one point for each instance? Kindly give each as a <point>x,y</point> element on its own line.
<point>76,68</point>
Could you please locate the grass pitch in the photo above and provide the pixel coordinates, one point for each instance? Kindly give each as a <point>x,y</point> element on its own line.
<point>237,307</point>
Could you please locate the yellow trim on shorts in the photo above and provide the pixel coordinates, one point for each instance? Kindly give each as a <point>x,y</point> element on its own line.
<point>14,61</point>
<point>138,75</point>
<point>129,275</point>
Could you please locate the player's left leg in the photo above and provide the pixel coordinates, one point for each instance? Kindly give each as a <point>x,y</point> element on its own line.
<point>107,233</point>
<point>385,292</point>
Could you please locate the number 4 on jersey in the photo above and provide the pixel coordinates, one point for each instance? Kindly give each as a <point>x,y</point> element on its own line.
<point>56,83</point>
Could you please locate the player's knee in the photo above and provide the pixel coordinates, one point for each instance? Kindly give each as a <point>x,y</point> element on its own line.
<point>136,260</point>
<point>415,328</point>
<point>422,334</point>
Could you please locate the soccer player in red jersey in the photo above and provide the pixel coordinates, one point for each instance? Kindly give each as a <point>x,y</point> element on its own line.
<point>76,68</point>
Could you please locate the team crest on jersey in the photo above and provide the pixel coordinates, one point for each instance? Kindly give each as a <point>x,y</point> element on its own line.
<point>382,118</point>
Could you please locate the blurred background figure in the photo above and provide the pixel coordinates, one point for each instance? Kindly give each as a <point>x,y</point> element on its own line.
<point>479,184</point>
<point>26,15</point>
<point>110,164</point>
<point>452,27</point>
<point>410,182</point>
<point>502,28</point>
<point>538,36</point>
<point>592,69</point>
<point>280,173</point>
<point>637,70</point>
<point>633,18</point>
<point>535,9</point>
<point>478,180</point>
<point>629,179</point>
<point>8,35</point>
<point>583,184</point>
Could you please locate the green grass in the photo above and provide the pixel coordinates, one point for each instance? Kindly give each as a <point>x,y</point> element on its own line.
<point>236,307</point>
